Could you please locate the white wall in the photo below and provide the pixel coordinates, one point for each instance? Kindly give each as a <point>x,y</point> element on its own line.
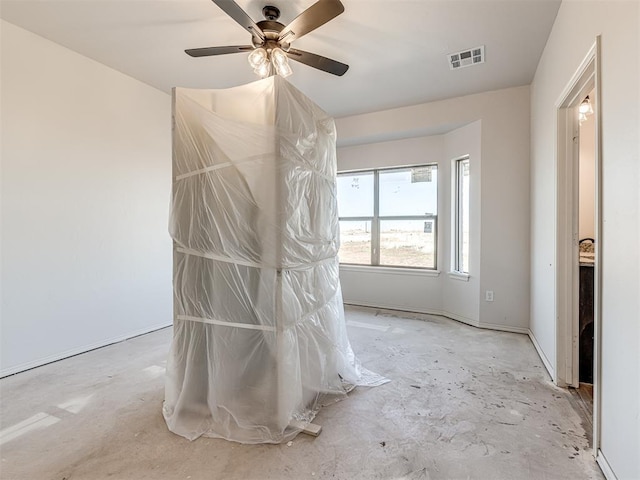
<point>86,175</point>
<point>502,190</point>
<point>461,297</point>
<point>586,181</point>
<point>572,36</point>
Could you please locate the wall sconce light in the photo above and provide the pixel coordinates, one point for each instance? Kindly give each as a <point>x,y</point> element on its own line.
<point>584,109</point>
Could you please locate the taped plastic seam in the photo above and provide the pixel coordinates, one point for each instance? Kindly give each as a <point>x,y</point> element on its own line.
<point>216,167</point>
<point>260,341</point>
<point>251,264</point>
<point>213,321</point>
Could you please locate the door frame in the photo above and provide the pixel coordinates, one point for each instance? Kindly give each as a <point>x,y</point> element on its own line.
<point>586,78</point>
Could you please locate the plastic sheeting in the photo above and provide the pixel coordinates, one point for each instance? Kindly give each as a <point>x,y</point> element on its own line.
<point>260,341</point>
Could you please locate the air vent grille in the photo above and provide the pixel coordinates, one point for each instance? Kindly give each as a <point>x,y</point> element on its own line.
<point>466,58</point>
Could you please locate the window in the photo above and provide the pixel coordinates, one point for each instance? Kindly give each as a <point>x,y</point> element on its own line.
<point>389,217</point>
<point>461,223</point>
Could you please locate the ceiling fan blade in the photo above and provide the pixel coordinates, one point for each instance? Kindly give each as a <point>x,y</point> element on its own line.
<point>316,61</point>
<point>209,51</point>
<point>232,9</point>
<point>313,17</point>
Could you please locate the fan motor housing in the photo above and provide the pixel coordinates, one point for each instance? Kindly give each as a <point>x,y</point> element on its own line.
<point>271,30</point>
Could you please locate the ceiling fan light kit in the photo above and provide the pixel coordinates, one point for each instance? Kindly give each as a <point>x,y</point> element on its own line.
<point>265,62</point>
<point>271,40</point>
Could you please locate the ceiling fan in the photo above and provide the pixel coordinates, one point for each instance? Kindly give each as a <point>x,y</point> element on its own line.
<point>271,40</point>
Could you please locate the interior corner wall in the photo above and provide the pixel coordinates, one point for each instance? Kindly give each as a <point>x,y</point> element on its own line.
<point>570,40</point>
<point>460,296</point>
<point>86,178</point>
<point>503,190</point>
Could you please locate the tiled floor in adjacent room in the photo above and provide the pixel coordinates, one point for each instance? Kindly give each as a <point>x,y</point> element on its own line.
<point>463,403</point>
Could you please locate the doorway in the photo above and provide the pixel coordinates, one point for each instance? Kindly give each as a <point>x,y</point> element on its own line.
<point>578,247</point>
<point>583,393</point>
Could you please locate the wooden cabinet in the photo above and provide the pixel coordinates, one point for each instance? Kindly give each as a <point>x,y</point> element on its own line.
<point>586,323</point>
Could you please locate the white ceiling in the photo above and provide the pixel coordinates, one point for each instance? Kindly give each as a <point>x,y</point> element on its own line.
<point>396,49</point>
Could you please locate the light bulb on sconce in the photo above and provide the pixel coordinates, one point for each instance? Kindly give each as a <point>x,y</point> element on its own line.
<point>585,107</point>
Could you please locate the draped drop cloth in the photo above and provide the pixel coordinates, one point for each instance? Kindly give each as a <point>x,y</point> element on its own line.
<point>260,341</point>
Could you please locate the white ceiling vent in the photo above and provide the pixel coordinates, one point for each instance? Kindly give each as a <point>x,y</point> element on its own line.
<point>466,58</point>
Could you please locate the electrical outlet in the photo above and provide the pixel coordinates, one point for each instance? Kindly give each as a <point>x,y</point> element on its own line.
<point>488,296</point>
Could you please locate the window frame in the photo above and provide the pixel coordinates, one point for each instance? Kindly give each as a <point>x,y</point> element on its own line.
<point>457,217</point>
<point>377,218</point>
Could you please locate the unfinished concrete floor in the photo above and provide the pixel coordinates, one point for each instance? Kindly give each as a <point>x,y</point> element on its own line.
<point>463,403</point>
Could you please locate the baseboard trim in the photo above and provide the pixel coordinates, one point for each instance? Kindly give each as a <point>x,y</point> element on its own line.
<point>504,328</point>
<point>605,467</point>
<point>459,318</point>
<point>389,306</point>
<point>442,313</point>
<point>5,372</point>
<point>543,357</point>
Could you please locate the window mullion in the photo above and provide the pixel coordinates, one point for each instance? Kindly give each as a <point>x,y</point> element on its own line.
<point>457,232</point>
<point>375,224</point>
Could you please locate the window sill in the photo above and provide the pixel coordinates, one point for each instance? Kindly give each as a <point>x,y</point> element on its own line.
<point>461,277</point>
<point>418,272</point>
